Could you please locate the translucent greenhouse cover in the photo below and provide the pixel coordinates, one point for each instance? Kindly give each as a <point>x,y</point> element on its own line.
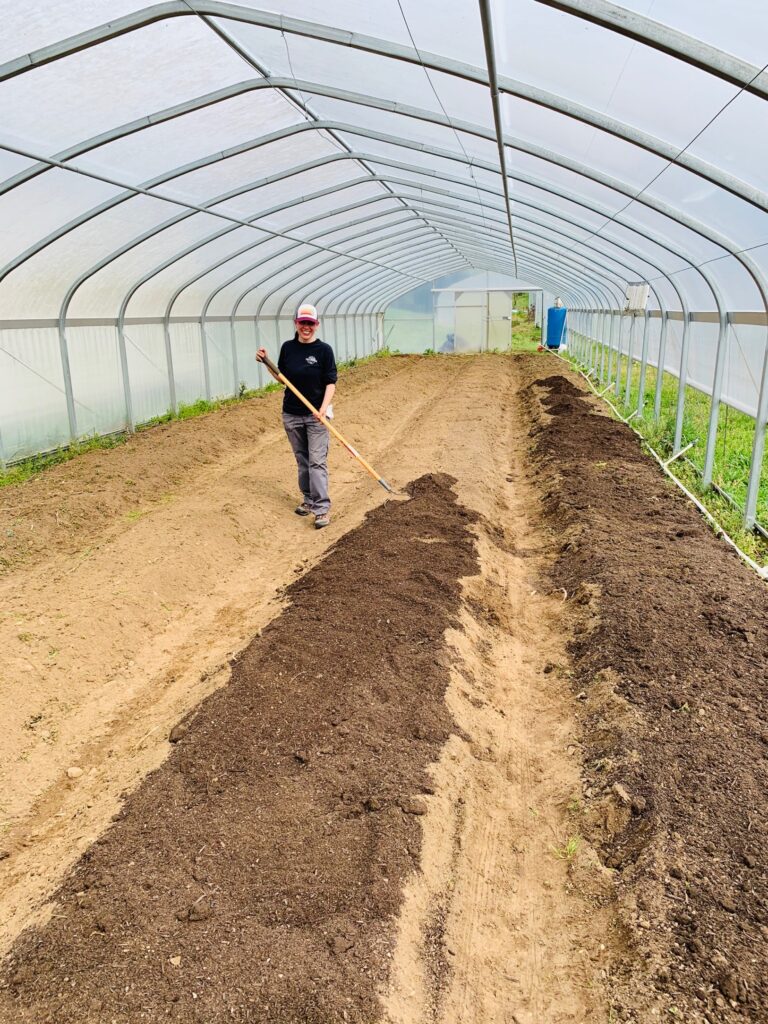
<point>189,157</point>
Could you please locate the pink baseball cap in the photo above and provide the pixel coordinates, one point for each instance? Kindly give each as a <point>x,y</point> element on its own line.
<point>307,312</point>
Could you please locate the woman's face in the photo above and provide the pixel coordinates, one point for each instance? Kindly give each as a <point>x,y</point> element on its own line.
<point>307,329</point>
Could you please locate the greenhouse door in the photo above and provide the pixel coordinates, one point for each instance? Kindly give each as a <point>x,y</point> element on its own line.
<point>471,321</point>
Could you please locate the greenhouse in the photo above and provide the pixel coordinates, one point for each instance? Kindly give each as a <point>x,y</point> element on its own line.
<point>486,743</point>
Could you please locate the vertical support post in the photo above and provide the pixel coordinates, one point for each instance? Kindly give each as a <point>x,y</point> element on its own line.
<point>67,375</point>
<point>617,383</point>
<point>643,364</point>
<point>660,368</point>
<point>169,366</point>
<point>630,352</point>
<point>127,397</point>
<point>758,447</point>
<point>681,383</point>
<point>714,406</point>
<point>235,370</point>
<point>611,330</point>
<point>260,374</point>
<point>601,335</point>
<point>204,353</point>
<point>596,336</point>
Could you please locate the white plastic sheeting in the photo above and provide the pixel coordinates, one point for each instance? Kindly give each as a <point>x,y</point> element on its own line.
<point>216,163</point>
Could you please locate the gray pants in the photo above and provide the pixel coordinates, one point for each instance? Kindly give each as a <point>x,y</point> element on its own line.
<point>309,441</point>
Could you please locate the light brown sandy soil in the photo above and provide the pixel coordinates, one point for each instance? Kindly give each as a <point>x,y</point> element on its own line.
<point>117,623</point>
<point>502,925</point>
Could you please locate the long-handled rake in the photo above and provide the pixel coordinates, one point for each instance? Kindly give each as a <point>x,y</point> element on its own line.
<point>339,437</point>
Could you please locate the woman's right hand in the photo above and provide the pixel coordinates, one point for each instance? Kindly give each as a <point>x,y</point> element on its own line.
<point>261,355</point>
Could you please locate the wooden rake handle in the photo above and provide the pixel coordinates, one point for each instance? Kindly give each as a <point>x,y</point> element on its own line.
<point>339,437</point>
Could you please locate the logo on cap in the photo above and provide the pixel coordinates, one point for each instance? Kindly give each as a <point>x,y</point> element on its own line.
<point>307,312</point>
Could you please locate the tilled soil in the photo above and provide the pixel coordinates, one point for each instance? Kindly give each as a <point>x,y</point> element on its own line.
<point>671,668</point>
<point>401,740</point>
<point>256,874</point>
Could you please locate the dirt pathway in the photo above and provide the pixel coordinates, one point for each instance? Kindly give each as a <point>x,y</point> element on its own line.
<point>507,919</point>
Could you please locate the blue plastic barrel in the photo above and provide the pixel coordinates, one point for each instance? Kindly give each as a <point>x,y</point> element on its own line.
<point>555,326</point>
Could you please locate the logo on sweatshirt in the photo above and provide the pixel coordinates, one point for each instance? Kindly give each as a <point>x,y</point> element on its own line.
<point>311,360</point>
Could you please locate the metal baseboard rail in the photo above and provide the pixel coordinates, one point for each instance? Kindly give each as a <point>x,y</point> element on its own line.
<point>762,571</point>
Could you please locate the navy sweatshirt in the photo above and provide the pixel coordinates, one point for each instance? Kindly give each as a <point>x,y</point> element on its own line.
<point>309,368</point>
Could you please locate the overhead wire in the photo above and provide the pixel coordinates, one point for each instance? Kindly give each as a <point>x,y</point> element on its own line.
<point>673,162</point>
<point>445,112</point>
<point>342,145</point>
<point>306,112</point>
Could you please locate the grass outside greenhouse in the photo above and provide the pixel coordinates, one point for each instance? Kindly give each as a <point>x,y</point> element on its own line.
<point>733,450</point>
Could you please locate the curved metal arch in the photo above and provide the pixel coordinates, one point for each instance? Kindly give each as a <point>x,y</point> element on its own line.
<point>575,264</point>
<point>415,224</point>
<point>166,327</point>
<point>556,215</point>
<point>554,230</point>
<point>313,283</point>
<point>281,207</point>
<point>667,40</point>
<point>617,19</point>
<point>544,209</point>
<point>719,302</point>
<point>240,190</point>
<point>254,285</point>
<point>674,43</point>
<point>271,179</point>
<point>576,281</point>
<point>437,267</point>
<point>348,268</point>
<point>357,282</point>
<point>625,266</point>
<point>362,284</point>
<point>526,232</point>
<point>659,206</point>
<point>344,260</point>
<point>749,265</point>
<point>288,268</point>
<point>530,149</point>
<point>643,259</point>
<point>415,221</point>
<point>407,223</point>
<point>553,237</point>
<point>628,226</point>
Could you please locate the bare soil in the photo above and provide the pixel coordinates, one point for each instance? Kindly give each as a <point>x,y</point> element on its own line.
<point>671,667</point>
<point>490,753</point>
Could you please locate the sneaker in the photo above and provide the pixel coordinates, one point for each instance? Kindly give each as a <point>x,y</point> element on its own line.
<point>303,509</point>
<point>321,520</point>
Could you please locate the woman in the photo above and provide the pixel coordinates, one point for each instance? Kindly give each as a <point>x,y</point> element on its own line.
<point>310,365</point>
